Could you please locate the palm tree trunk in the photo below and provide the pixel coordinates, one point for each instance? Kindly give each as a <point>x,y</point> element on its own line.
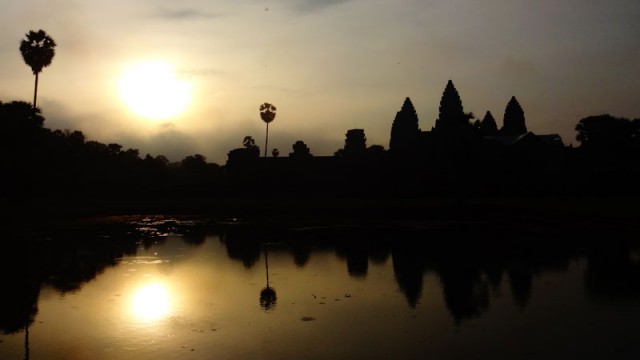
<point>35,92</point>
<point>266,141</point>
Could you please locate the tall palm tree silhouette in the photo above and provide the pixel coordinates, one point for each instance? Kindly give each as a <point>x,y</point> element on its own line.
<point>267,113</point>
<point>37,50</point>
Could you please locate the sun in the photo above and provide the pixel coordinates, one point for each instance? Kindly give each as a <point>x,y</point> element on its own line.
<point>152,90</point>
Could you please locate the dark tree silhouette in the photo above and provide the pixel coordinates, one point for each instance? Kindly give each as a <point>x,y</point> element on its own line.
<point>194,162</point>
<point>161,160</point>
<point>606,132</point>
<point>21,142</point>
<point>46,162</point>
<point>245,155</point>
<point>267,114</point>
<point>18,118</point>
<point>488,126</point>
<point>300,150</point>
<point>249,143</point>
<point>513,123</point>
<point>404,130</point>
<point>38,50</point>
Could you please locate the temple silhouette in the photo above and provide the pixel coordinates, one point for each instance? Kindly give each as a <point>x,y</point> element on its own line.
<point>456,152</point>
<point>456,137</point>
<point>454,132</point>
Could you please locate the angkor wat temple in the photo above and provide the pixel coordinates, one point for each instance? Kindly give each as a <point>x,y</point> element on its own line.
<point>457,156</point>
<point>455,133</point>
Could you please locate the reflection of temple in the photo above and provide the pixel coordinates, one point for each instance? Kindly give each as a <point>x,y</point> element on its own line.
<point>468,275</point>
<point>470,272</point>
<point>242,244</point>
<point>409,268</point>
<point>356,256</point>
<point>613,273</point>
<point>465,291</point>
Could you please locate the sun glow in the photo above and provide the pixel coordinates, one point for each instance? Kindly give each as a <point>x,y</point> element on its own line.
<point>153,90</point>
<point>151,302</point>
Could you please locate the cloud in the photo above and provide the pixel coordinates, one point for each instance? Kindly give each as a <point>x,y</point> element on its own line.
<point>168,141</point>
<point>316,5</point>
<point>173,143</point>
<point>57,115</point>
<point>200,72</point>
<point>184,14</point>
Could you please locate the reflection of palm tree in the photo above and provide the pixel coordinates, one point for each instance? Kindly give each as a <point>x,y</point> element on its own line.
<point>267,113</point>
<point>37,51</point>
<point>268,294</point>
<point>268,298</point>
<point>26,342</point>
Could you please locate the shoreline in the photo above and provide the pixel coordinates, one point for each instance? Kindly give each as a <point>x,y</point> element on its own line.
<point>623,211</point>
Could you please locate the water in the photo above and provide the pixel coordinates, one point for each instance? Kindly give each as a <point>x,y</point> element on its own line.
<point>162,288</point>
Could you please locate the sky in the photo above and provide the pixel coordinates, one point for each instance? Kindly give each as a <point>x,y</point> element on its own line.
<point>327,65</point>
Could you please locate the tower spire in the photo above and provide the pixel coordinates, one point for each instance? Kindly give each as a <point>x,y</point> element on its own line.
<point>513,122</point>
<point>404,130</point>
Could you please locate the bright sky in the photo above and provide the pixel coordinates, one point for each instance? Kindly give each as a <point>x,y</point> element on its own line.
<point>328,65</point>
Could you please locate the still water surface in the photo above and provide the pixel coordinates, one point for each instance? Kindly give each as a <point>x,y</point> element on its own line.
<point>162,288</point>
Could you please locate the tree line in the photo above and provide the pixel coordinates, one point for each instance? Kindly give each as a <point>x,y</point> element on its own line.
<point>39,162</point>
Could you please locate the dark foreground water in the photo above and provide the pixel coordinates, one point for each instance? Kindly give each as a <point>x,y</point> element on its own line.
<point>163,288</point>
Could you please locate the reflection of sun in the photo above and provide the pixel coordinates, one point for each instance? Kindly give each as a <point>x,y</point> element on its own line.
<point>151,302</point>
<point>152,90</point>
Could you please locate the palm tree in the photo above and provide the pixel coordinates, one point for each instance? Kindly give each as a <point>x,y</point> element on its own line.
<point>37,51</point>
<point>267,113</point>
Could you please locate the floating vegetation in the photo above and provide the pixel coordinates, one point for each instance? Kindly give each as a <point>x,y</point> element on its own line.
<point>144,260</point>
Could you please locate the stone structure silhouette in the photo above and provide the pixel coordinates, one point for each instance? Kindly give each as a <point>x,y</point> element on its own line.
<point>513,123</point>
<point>488,126</point>
<point>451,116</point>
<point>355,143</point>
<point>404,130</point>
